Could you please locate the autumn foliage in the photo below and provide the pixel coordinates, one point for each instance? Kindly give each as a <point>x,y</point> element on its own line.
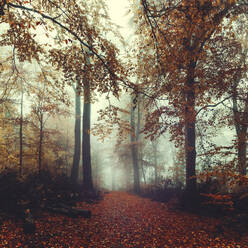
<point>182,74</point>
<point>122,220</point>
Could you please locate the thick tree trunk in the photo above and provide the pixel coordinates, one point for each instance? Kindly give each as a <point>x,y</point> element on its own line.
<point>190,119</point>
<point>242,151</point>
<point>136,178</point>
<point>87,173</point>
<point>190,157</point>
<point>240,122</point>
<point>77,138</point>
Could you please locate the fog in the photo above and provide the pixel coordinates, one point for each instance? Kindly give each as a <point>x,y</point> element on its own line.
<point>104,153</point>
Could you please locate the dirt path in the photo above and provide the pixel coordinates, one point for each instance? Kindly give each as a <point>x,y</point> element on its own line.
<point>121,220</point>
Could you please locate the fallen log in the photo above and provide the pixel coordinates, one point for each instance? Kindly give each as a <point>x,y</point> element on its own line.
<point>70,211</point>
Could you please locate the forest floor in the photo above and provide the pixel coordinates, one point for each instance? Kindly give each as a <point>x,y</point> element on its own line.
<point>121,220</point>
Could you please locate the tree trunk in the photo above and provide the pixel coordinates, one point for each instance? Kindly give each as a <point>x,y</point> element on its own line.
<point>155,153</point>
<point>242,151</point>
<point>87,174</point>
<point>77,137</point>
<point>40,144</point>
<point>134,154</point>
<point>240,119</point>
<point>21,136</point>
<point>113,178</point>
<point>138,148</point>
<point>68,165</point>
<point>240,122</point>
<point>128,175</point>
<point>142,166</point>
<point>140,152</point>
<point>190,119</point>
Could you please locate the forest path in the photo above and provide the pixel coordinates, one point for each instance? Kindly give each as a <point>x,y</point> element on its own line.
<point>120,220</point>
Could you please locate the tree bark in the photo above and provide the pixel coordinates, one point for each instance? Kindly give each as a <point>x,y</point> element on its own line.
<point>240,122</point>
<point>142,166</point>
<point>77,137</point>
<point>40,144</point>
<point>138,148</point>
<point>242,151</point>
<point>140,152</point>
<point>87,173</point>
<point>155,154</point>
<point>134,154</point>
<point>21,136</point>
<point>190,119</point>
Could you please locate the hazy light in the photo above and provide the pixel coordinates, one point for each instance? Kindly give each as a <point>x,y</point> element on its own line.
<point>117,11</point>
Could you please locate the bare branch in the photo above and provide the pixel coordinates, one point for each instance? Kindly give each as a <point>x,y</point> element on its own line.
<point>213,105</point>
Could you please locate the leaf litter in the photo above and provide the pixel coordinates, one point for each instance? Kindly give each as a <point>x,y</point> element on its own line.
<point>121,220</point>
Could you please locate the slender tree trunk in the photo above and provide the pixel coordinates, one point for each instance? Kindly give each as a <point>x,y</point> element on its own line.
<point>87,173</point>
<point>142,166</point>
<point>175,166</point>
<point>155,153</point>
<point>113,178</point>
<point>128,175</point>
<point>40,144</point>
<point>134,154</point>
<point>190,119</point>
<point>138,121</point>
<point>77,137</point>
<point>66,156</point>
<point>21,137</point>
<point>140,152</point>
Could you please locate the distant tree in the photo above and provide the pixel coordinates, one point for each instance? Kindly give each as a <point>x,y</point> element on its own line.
<point>155,156</point>
<point>123,152</point>
<point>14,87</point>
<point>8,138</point>
<point>47,103</point>
<point>97,167</point>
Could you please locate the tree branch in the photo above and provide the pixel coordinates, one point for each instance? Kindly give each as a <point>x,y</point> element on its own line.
<point>213,105</point>
<point>126,83</point>
<point>2,5</point>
